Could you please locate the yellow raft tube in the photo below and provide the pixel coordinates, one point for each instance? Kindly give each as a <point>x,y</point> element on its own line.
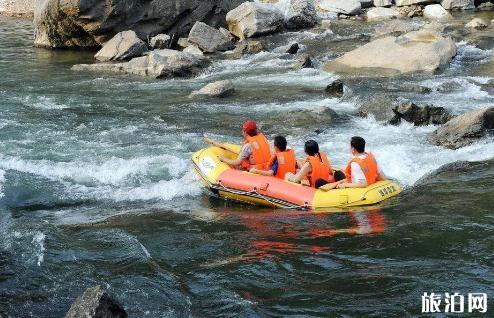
<point>244,186</point>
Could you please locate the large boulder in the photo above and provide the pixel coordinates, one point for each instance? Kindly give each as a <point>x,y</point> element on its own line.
<point>216,89</point>
<point>420,116</point>
<point>348,7</point>
<point>209,39</point>
<point>96,303</point>
<point>464,129</point>
<point>380,13</point>
<point>417,51</point>
<point>123,46</point>
<point>91,23</point>
<point>436,12</point>
<point>157,64</point>
<point>253,19</point>
<point>458,4</point>
<point>301,14</point>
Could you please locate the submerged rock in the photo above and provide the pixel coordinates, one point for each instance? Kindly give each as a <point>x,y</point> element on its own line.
<point>303,61</point>
<point>336,88</point>
<point>253,19</point>
<point>291,48</point>
<point>419,51</point>
<point>123,46</point>
<point>301,14</point>
<point>410,88</point>
<point>158,64</point>
<point>90,23</point>
<point>464,129</point>
<point>420,116</point>
<point>96,303</point>
<point>216,89</point>
<point>209,39</point>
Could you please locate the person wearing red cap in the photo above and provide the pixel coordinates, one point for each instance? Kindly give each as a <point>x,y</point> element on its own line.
<point>255,151</point>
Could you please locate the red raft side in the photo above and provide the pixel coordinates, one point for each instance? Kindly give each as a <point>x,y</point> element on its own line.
<point>268,186</point>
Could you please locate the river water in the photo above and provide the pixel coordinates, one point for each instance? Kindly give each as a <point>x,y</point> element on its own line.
<point>96,188</point>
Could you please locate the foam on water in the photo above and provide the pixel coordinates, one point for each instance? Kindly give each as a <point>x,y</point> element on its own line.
<point>43,102</point>
<point>2,180</point>
<point>467,52</point>
<point>39,245</point>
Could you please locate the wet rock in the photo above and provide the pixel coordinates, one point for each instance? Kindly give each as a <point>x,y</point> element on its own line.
<point>477,24</point>
<point>303,61</point>
<point>157,64</point>
<point>458,4</point>
<point>123,46</point>
<point>396,28</point>
<point>383,3</point>
<point>317,117</point>
<point>253,19</point>
<point>459,173</point>
<point>96,303</point>
<point>411,11</point>
<point>160,41</point>
<point>401,3</point>
<point>348,7</point>
<point>301,14</point>
<point>409,88</point>
<point>379,106</point>
<point>380,13</point>
<point>90,23</point>
<point>216,89</point>
<point>336,88</point>
<point>193,49</point>
<point>418,51</point>
<point>291,48</point>
<point>420,116</point>
<point>245,47</point>
<point>464,129</point>
<point>436,12</point>
<point>209,39</point>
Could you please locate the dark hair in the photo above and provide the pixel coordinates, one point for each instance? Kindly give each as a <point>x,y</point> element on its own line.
<point>251,133</point>
<point>280,143</point>
<point>311,147</point>
<point>358,143</point>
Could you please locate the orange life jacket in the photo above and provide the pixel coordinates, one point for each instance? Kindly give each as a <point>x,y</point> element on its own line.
<point>261,153</point>
<point>368,166</point>
<point>286,163</point>
<point>321,168</point>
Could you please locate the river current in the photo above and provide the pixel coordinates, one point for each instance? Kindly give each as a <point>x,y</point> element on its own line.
<point>96,188</point>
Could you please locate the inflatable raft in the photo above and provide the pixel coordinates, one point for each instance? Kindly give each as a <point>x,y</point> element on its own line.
<point>244,186</point>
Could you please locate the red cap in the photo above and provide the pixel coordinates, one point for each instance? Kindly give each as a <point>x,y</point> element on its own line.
<point>250,127</point>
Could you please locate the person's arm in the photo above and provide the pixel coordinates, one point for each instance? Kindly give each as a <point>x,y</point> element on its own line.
<point>212,142</point>
<point>262,172</point>
<point>306,168</point>
<point>244,154</point>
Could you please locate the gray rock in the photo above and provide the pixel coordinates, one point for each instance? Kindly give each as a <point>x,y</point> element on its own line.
<point>216,89</point>
<point>123,46</point>
<point>401,3</point>
<point>183,42</point>
<point>396,28</point>
<point>291,48</point>
<point>96,303</point>
<point>336,88</point>
<point>380,106</point>
<point>209,39</point>
<point>477,23</point>
<point>383,3</point>
<point>436,12</point>
<point>90,23</point>
<point>420,116</point>
<point>464,129</point>
<point>320,116</point>
<point>348,7</point>
<point>193,49</point>
<point>380,13</point>
<point>157,64</point>
<point>409,88</point>
<point>160,41</point>
<point>253,19</point>
<point>301,14</point>
<point>458,4</point>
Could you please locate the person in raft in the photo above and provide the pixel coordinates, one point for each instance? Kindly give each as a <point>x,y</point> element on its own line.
<point>361,171</point>
<point>281,163</point>
<point>316,168</point>
<point>255,152</point>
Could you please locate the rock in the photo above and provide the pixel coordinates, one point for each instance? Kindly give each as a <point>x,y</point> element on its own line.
<point>183,42</point>
<point>336,88</point>
<point>464,129</point>
<point>458,4</point>
<point>18,8</point>
<point>123,46</point>
<point>216,89</point>
<point>320,116</point>
<point>301,14</point>
<point>291,48</point>
<point>90,23</point>
<point>418,51</point>
<point>303,61</point>
<point>436,12</point>
<point>157,64</point>
<point>209,39</point>
<point>383,3</point>
<point>193,49</point>
<point>160,41</point>
<point>396,28</point>
<point>348,7</point>
<point>380,106</point>
<point>477,24</point>
<point>410,88</point>
<point>420,116</point>
<point>410,11</point>
<point>380,13</point>
<point>96,303</point>
<point>326,24</point>
<point>253,19</point>
<point>245,47</point>
<point>401,3</point>
<point>227,34</point>
<point>365,4</point>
